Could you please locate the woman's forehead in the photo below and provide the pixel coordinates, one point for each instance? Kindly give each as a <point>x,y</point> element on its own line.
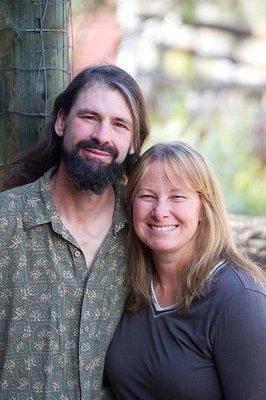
<point>169,172</point>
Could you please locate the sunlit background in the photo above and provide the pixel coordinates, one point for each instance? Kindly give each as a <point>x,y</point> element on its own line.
<point>202,67</point>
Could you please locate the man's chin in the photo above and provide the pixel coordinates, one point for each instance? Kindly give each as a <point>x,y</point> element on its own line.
<point>91,174</point>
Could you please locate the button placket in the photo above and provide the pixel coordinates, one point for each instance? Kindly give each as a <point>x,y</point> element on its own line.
<point>77,253</point>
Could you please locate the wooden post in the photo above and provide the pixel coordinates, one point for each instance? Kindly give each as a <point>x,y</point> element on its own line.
<point>34,68</point>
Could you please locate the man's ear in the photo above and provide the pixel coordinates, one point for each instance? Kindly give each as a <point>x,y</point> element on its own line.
<point>59,126</point>
<point>132,148</point>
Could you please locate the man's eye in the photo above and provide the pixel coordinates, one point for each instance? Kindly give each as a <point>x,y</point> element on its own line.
<point>120,125</point>
<point>87,117</point>
<point>91,117</point>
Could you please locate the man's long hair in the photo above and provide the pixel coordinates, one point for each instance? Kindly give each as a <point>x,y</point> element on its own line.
<point>46,154</point>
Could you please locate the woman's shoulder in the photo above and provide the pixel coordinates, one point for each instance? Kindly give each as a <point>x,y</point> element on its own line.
<point>231,280</point>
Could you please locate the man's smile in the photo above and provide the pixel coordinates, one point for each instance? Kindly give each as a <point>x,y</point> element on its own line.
<point>96,153</point>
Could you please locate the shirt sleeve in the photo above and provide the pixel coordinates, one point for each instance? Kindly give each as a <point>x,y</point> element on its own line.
<point>239,347</point>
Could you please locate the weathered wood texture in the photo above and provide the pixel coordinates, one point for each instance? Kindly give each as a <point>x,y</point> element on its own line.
<point>34,68</point>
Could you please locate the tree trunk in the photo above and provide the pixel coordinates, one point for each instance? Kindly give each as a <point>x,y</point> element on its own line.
<point>34,68</point>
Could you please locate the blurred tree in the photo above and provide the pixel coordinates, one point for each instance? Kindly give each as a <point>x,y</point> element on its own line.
<point>202,66</point>
<point>34,68</point>
<point>92,6</point>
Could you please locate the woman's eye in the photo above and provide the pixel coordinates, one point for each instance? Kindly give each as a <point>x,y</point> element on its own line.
<point>178,197</point>
<point>147,197</point>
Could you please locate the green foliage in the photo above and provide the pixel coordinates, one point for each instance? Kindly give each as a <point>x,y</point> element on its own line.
<point>92,6</point>
<point>187,9</point>
<point>225,138</point>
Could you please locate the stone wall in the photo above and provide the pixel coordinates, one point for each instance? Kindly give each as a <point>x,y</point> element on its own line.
<point>250,232</point>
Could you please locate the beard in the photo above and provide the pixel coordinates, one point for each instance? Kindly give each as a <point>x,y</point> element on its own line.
<point>88,173</point>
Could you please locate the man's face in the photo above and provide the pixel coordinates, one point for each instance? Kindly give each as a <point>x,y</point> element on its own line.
<point>97,137</point>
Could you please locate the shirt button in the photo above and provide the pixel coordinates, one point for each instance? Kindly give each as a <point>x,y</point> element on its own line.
<point>86,368</point>
<point>77,253</point>
<point>85,328</point>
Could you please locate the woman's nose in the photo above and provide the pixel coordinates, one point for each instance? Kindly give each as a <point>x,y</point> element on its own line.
<point>160,211</point>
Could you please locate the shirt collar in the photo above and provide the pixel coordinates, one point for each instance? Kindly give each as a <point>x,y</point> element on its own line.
<point>40,207</point>
<point>120,216</point>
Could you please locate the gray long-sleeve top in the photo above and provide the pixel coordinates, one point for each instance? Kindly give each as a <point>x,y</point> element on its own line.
<point>216,350</point>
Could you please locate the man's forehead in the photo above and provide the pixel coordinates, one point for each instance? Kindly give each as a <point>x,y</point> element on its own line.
<point>101,95</point>
<point>98,88</point>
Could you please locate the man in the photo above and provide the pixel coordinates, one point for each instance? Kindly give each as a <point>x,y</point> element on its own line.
<point>63,241</point>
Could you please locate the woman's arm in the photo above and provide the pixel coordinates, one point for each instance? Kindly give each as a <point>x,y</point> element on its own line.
<point>239,344</point>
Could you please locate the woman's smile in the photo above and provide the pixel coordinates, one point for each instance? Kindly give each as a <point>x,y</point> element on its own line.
<point>164,228</point>
<point>166,215</point>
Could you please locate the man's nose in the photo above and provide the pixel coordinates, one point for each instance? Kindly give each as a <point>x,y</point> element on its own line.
<point>101,133</point>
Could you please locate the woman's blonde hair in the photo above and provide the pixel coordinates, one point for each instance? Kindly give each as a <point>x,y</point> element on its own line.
<point>213,240</point>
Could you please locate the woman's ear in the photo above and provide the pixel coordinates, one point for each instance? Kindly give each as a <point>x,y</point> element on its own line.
<point>60,123</point>
<point>202,209</point>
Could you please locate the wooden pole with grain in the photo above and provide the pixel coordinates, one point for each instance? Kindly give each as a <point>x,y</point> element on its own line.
<point>34,68</point>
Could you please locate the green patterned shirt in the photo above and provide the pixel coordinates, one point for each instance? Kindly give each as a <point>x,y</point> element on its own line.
<point>56,318</point>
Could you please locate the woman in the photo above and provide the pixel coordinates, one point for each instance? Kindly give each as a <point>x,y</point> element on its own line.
<point>195,321</point>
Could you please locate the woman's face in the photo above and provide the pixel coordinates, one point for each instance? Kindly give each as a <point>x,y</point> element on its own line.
<point>166,216</point>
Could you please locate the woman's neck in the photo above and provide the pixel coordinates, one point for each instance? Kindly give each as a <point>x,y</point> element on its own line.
<point>167,279</point>
<point>166,283</point>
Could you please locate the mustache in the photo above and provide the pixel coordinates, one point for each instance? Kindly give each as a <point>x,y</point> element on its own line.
<point>87,144</point>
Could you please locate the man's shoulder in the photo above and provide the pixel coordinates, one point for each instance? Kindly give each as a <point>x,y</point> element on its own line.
<point>13,200</point>
<point>120,218</point>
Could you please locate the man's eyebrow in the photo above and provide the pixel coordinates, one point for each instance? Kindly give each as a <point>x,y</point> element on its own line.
<point>124,120</point>
<point>83,111</point>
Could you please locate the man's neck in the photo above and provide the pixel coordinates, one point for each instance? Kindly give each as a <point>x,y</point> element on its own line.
<point>80,205</point>
<point>87,216</point>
